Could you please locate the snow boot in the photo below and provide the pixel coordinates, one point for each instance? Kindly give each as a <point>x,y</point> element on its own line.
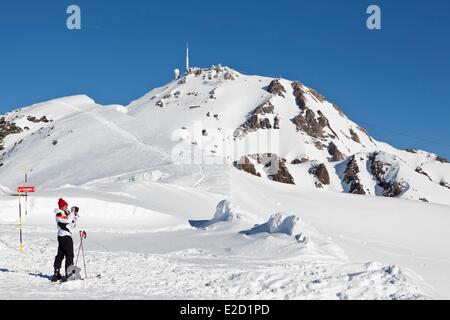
<point>57,276</point>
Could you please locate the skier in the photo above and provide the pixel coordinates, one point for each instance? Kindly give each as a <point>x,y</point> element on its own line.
<point>65,221</point>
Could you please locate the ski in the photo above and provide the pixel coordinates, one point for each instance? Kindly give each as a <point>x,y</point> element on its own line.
<point>98,276</point>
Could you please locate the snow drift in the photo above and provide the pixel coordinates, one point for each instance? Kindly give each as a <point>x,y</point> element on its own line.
<point>225,212</point>
<point>279,223</point>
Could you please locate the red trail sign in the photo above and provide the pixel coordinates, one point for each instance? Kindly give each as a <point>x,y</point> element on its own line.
<point>26,189</point>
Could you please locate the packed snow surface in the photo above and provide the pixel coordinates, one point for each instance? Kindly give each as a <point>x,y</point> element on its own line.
<point>146,248</point>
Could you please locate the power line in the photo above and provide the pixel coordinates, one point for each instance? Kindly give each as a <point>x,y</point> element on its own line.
<point>406,134</point>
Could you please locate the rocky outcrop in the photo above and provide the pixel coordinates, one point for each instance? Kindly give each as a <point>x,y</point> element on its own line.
<point>357,188</point>
<point>229,76</point>
<point>299,161</point>
<point>36,120</point>
<point>444,184</point>
<point>276,123</point>
<point>274,166</point>
<point>323,122</point>
<point>351,177</point>
<point>275,87</point>
<point>258,120</point>
<point>313,125</point>
<point>319,145</point>
<point>320,98</point>
<point>363,130</point>
<point>391,187</point>
<point>299,95</point>
<point>321,173</point>
<point>214,72</point>
<point>246,165</point>
<point>334,152</point>
<point>7,128</point>
<point>354,136</point>
<point>420,170</point>
<point>265,108</point>
<point>341,113</point>
<point>394,189</point>
<point>282,175</point>
<point>309,124</point>
<point>441,159</point>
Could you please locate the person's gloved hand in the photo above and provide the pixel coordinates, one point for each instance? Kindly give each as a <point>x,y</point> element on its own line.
<point>75,210</point>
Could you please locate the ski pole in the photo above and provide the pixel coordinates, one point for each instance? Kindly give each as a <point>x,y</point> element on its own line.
<point>78,254</point>
<point>84,261</point>
<point>83,235</point>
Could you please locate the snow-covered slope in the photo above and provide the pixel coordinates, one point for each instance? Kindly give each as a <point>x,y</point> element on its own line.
<point>140,241</point>
<point>76,142</point>
<point>293,165</point>
<point>215,115</point>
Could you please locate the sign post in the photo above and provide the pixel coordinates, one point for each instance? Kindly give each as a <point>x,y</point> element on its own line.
<point>21,190</point>
<point>26,195</point>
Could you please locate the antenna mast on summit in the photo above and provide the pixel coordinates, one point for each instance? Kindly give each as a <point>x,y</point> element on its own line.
<point>187,57</point>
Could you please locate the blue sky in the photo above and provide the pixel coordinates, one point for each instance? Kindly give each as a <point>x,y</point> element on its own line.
<point>395,81</point>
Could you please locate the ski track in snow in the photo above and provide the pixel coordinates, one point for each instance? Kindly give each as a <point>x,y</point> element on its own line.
<point>133,138</point>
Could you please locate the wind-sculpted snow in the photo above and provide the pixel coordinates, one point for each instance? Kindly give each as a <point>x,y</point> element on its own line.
<point>279,223</point>
<point>225,212</point>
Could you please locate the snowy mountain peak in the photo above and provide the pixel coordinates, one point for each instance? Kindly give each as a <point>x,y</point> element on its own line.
<point>276,129</point>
